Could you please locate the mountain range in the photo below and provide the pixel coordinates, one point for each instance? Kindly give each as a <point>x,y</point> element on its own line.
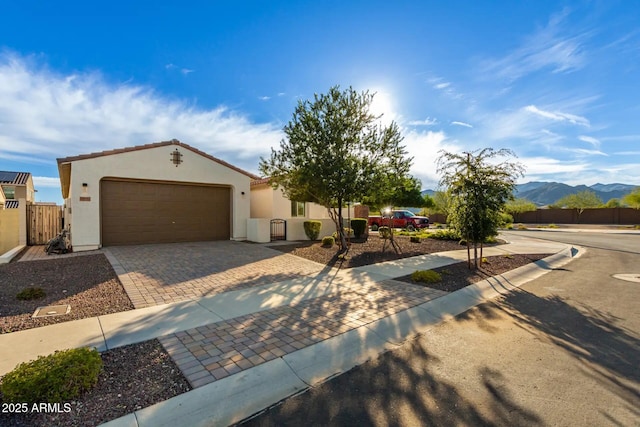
<point>546,193</point>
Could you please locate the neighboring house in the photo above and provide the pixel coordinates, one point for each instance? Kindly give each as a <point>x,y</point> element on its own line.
<point>269,204</point>
<point>155,193</point>
<point>16,191</point>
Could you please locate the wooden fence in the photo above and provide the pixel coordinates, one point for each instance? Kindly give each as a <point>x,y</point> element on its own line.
<point>43,223</point>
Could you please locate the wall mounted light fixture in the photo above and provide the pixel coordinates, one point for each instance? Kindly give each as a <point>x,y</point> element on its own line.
<point>176,157</point>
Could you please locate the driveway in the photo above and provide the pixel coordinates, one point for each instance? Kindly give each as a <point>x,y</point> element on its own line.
<point>166,273</point>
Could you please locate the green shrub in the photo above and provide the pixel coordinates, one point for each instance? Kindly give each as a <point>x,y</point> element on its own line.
<point>60,376</point>
<point>384,232</point>
<point>31,293</point>
<point>553,226</point>
<point>505,219</point>
<point>521,227</point>
<point>359,226</point>
<point>637,227</point>
<point>484,259</point>
<point>426,276</point>
<point>447,234</point>
<point>328,241</point>
<point>312,229</point>
<point>415,239</point>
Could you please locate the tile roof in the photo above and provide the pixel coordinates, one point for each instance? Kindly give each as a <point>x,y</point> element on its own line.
<point>259,181</point>
<point>14,178</point>
<point>153,145</point>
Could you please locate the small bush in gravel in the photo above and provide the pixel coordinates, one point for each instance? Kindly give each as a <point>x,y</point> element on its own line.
<point>415,239</point>
<point>60,376</point>
<point>312,229</point>
<point>328,241</point>
<point>426,276</point>
<point>359,226</point>
<point>31,293</point>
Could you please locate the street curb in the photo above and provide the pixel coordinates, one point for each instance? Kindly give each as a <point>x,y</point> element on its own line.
<point>247,393</point>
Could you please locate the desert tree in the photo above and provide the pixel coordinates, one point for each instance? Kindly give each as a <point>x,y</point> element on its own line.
<point>335,151</point>
<point>580,201</point>
<point>519,206</point>
<point>479,185</point>
<point>633,199</point>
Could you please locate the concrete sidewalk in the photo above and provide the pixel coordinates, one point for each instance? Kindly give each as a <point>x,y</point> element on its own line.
<point>369,316</point>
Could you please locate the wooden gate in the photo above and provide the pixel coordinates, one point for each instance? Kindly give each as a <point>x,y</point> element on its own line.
<point>44,222</point>
<point>278,229</point>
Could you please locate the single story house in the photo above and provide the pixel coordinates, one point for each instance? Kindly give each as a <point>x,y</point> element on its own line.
<point>154,193</point>
<point>269,204</point>
<point>16,192</point>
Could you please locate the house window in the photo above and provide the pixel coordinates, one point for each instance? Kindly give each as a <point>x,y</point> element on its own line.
<point>297,209</point>
<point>9,192</point>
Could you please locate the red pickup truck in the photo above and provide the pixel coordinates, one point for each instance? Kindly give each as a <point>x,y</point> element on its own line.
<point>400,219</point>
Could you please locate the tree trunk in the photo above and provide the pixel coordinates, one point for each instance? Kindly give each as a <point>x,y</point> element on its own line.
<point>475,255</point>
<point>468,255</point>
<point>343,240</point>
<point>481,248</point>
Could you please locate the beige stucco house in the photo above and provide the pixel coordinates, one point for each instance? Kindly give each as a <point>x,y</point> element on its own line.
<point>16,192</point>
<point>269,204</point>
<point>155,193</point>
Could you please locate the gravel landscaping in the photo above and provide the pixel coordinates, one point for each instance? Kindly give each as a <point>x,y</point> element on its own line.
<point>133,377</point>
<point>368,252</point>
<point>457,276</point>
<point>87,283</point>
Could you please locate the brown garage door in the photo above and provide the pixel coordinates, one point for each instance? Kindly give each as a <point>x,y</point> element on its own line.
<point>134,212</point>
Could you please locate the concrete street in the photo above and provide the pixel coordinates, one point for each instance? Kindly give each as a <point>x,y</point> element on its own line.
<point>564,349</point>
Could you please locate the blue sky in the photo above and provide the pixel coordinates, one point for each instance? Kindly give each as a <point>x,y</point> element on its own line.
<point>557,82</point>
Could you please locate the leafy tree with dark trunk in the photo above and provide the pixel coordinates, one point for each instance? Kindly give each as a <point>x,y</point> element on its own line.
<point>633,199</point>
<point>519,206</point>
<point>479,187</point>
<point>580,201</point>
<point>336,151</point>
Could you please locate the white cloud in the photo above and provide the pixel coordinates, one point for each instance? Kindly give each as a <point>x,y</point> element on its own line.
<point>49,115</point>
<point>588,139</point>
<point>264,98</point>
<point>445,87</point>
<point>186,71</point>
<point>541,166</point>
<point>558,116</point>
<point>426,122</point>
<point>627,153</point>
<point>46,181</point>
<point>551,47</point>
<point>424,146</point>
<point>467,125</point>
<point>582,151</point>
